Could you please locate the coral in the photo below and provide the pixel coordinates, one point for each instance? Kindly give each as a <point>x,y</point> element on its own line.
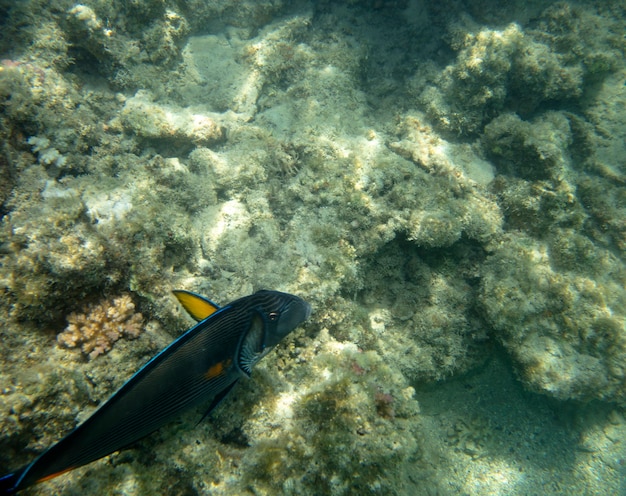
<point>419,316</point>
<point>606,202</point>
<point>96,330</point>
<point>530,150</point>
<point>285,147</point>
<point>435,222</point>
<point>558,307</point>
<point>517,69</point>
<point>6,179</point>
<point>46,154</point>
<point>45,265</point>
<point>150,120</point>
<point>353,428</point>
<point>93,34</point>
<point>582,35</point>
<point>164,39</point>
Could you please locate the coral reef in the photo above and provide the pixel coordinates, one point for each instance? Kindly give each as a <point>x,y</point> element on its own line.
<point>338,424</point>
<point>97,330</point>
<point>533,150</point>
<point>433,177</point>
<point>150,120</point>
<point>514,69</point>
<point>567,299</point>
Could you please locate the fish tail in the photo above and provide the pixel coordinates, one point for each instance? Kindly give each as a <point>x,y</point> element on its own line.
<point>8,483</point>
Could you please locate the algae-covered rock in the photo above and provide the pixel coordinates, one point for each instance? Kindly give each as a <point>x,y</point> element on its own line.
<point>530,150</point>
<point>429,198</point>
<point>351,429</point>
<point>419,313</point>
<point>558,307</point>
<point>519,69</point>
<point>166,122</point>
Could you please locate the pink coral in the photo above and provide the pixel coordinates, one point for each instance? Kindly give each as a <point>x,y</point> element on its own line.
<point>101,325</point>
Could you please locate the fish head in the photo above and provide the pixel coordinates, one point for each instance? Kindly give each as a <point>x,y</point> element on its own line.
<point>283,312</point>
<point>275,315</point>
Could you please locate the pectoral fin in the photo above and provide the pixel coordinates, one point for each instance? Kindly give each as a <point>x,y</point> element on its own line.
<point>217,400</point>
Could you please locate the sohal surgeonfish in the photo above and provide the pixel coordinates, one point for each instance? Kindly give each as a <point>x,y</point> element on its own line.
<point>202,364</point>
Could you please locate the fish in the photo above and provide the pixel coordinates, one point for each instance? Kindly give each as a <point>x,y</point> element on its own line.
<point>203,364</point>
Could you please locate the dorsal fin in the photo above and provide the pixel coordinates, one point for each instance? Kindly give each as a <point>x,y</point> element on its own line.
<point>198,307</point>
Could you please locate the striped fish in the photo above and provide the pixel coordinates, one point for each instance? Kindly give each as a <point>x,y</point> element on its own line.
<point>204,363</point>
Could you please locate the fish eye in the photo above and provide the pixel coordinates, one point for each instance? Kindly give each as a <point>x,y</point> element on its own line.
<point>273,316</point>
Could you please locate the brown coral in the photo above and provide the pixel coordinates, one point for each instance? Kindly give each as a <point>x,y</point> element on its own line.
<point>101,325</point>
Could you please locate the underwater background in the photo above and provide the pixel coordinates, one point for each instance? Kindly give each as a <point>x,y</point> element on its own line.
<point>444,182</point>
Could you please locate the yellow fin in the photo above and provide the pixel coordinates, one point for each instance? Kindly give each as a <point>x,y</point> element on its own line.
<point>197,306</point>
